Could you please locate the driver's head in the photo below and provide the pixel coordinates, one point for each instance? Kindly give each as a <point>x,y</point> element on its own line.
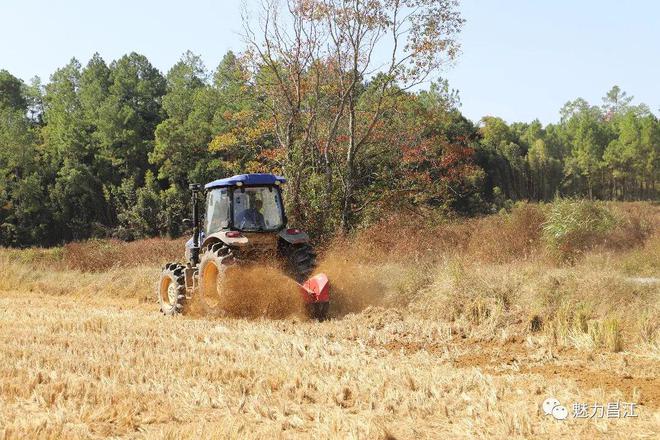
<point>255,203</point>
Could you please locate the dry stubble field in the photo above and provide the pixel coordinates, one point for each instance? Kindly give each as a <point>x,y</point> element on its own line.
<point>457,332</point>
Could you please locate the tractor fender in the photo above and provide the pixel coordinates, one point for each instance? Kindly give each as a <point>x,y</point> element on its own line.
<point>299,237</point>
<point>242,240</point>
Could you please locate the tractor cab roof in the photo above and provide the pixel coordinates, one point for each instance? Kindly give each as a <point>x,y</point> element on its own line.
<point>247,180</point>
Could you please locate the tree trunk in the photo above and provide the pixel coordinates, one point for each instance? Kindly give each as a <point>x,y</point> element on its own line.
<point>327,203</point>
<point>350,160</point>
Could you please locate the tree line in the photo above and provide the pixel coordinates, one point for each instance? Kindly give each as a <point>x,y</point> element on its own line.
<point>109,149</point>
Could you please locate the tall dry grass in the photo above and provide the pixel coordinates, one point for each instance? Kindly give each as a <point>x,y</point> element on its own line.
<point>537,264</point>
<point>572,270</point>
<point>556,233</point>
<point>100,255</point>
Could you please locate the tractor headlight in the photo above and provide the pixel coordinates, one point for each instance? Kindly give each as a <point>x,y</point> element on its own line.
<point>239,183</point>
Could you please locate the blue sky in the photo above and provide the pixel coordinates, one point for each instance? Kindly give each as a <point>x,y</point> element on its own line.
<point>521,59</point>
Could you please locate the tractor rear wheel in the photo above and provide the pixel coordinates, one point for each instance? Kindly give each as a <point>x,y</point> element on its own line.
<point>301,261</point>
<point>212,267</point>
<point>172,289</point>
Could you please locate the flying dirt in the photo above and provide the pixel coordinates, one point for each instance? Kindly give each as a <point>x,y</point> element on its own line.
<point>253,292</point>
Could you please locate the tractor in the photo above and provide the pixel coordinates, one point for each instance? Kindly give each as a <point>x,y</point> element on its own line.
<point>244,223</point>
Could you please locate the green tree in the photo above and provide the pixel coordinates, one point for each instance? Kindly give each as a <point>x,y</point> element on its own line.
<point>12,92</point>
<point>129,116</point>
<point>616,101</point>
<point>182,139</point>
<point>139,208</point>
<point>75,191</point>
<point>499,152</point>
<point>24,217</point>
<point>588,136</point>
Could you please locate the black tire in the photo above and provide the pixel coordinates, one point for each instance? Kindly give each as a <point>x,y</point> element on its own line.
<point>212,267</point>
<point>171,290</point>
<point>301,261</point>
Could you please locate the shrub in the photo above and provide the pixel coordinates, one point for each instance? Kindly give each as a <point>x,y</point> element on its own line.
<point>635,224</point>
<point>575,226</point>
<point>507,237</point>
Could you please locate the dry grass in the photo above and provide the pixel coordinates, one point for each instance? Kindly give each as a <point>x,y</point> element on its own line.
<point>100,255</point>
<point>95,369</point>
<point>460,331</point>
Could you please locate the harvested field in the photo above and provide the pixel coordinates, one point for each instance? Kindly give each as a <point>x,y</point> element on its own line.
<point>456,342</point>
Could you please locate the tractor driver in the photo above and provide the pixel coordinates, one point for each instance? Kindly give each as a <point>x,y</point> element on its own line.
<point>252,218</point>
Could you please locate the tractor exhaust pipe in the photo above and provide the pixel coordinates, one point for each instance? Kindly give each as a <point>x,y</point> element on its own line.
<point>195,188</point>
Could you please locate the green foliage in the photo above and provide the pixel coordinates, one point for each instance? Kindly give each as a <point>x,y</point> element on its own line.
<point>109,149</point>
<point>138,208</point>
<point>574,226</point>
<point>607,152</point>
<point>129,116</point>
<point>181,139</point>
<point>174,208</point>
<point>12,92</point>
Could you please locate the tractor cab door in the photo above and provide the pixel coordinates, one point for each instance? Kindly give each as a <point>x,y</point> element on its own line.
<point>217,211</point>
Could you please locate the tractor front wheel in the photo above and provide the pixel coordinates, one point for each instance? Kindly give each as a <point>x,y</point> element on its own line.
<point>212,268</point>
<point>172,289</point>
